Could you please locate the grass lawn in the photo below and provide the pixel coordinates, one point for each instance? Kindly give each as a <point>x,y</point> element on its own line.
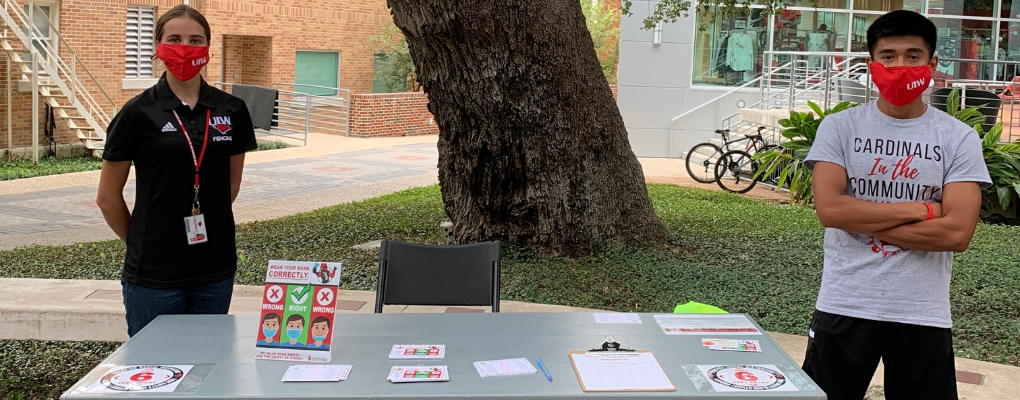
<point>739,254</point>
<point>23,168</point>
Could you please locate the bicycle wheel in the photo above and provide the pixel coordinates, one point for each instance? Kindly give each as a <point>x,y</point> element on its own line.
<point>734,172</point>
<point>701,161</point>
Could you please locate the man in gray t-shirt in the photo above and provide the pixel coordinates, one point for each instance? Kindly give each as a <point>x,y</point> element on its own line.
<point>897,184</point>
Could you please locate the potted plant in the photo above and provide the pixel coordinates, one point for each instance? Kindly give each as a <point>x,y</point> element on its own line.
<point>799,130</point>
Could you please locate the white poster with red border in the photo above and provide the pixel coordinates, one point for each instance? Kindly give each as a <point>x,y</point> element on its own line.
<point>298,306</point>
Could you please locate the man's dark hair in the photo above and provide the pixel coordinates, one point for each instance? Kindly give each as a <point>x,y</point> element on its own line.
<point>902,23</point>
<point>296,317</point>
<point>320,319</point>
<point>270,316</point>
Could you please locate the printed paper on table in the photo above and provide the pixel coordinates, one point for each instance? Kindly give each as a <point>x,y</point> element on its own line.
<point>405,351</point>
<point>701,324</point>
<point>141,379</point>
<point>317,373</point>
<point>514,366</point>
<point>617,318</point>
<point>747,378</point>
<point>298,305</point>
<point>438,373</point>
<point>620,372</point>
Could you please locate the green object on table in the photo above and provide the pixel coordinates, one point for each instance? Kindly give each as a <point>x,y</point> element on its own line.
<point>697,308</point>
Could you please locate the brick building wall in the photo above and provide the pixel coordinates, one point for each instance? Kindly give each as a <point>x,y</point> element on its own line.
<point>396,114</point>
<point>269,32</point>
<point>391,114</point>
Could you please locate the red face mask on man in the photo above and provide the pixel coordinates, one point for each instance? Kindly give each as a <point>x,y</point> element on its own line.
<point>900,85</point>
<point>183,61</point>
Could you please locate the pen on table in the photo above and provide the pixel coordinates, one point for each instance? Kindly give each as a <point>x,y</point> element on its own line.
<point>542,367</point>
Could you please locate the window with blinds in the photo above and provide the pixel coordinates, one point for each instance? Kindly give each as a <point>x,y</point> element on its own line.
<point>141,22</point>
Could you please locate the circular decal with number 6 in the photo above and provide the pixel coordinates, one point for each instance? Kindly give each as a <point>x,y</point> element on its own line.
<point>747,377</point>
<point>140,377</point>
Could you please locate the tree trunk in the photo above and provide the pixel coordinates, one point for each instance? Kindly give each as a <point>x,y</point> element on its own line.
<point>532,148</point>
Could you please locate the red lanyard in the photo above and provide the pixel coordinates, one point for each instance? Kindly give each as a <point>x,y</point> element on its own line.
<point>198,160</point>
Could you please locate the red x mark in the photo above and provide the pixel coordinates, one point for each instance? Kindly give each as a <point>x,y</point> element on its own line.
<point>274,293</point>
<point>325,296</point>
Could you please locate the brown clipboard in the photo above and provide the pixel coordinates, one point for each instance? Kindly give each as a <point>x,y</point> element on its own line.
<point>581,381</point>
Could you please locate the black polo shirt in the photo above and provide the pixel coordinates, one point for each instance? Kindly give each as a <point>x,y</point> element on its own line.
<point>146,132</point>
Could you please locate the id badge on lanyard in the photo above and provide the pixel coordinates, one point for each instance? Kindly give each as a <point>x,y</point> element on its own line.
<point>194,224</point>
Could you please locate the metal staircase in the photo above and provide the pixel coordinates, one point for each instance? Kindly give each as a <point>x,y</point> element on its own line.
<point>788,85</point>
<point>56,74</point>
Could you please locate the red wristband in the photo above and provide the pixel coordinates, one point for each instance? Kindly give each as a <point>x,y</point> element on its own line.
<point>931,211</point>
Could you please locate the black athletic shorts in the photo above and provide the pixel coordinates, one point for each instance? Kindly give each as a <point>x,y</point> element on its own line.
<point>843,353</point>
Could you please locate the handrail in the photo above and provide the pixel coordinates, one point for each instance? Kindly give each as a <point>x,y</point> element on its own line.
<point>74,56</point>
<point>744,86</point>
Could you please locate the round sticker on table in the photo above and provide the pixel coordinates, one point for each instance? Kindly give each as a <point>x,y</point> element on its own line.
<point>140,378</point>
<point>747,377</point>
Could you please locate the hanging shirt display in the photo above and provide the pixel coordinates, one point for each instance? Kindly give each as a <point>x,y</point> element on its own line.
<point>740,52</point>
<point>817,42</point>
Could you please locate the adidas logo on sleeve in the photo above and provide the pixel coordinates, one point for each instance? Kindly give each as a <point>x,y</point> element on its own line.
<point>169,127</point>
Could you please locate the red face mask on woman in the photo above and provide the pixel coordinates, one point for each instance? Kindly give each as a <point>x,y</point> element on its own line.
<point>183,61</point>
<point>900,85</point>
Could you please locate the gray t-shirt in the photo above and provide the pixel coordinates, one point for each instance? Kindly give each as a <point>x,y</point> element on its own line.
<point>891,160</point>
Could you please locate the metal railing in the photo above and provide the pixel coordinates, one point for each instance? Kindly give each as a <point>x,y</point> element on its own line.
<point>290,122</point>
<point>330,114</point>
<point>72,78</point>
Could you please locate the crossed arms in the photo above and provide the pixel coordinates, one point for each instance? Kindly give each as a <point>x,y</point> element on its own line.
<point>902,224</point>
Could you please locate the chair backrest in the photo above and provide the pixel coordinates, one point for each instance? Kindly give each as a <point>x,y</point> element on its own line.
<point>419,274</point>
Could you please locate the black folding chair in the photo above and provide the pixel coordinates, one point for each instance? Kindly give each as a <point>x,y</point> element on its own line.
<point>426,275</point>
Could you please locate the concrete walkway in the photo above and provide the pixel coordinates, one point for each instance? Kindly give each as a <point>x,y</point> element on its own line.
<point>53,309</point>
<point>61,209</point>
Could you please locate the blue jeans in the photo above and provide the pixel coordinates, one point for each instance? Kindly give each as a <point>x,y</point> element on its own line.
<point>144,304</point>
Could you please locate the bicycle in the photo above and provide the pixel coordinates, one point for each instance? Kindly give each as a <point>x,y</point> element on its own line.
<point>736,170</point>
<point>702,158</point>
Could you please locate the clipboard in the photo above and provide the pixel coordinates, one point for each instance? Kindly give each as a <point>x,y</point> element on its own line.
<point>580,379</point>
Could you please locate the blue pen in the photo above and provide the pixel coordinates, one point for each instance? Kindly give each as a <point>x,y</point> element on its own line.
<point>542,367</point>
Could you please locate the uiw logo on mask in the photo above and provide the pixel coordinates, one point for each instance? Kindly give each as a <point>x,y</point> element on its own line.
<point>199,62</point>
<point>916,84</point>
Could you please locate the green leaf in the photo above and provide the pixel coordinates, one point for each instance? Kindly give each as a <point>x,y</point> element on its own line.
<point>816,108</point>
<point>1004,196</point>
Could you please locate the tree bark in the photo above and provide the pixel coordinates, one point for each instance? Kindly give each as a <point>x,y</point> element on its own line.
<point>532,147</point>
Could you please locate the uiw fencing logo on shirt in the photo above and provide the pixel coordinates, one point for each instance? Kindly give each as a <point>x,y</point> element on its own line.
<point>221,124</point>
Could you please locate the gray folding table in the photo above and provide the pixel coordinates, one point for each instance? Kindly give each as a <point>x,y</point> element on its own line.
<point>222,349</point>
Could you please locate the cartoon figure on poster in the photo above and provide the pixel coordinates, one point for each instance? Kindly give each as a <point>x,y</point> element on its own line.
<point>298,308</point>
<point>295,326</point>
<point>319,333</point>
<point>270,327</point>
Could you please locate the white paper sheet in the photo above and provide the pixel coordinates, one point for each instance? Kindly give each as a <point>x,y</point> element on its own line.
<point>747,378</point>
<point>617,318</point>
<point>514,366</point>
<point>438,373</point>
<point>641,371</point>
<point>405,351</point>
<point>700,324</point>
<point>141,378</point>
<point>317,373</point>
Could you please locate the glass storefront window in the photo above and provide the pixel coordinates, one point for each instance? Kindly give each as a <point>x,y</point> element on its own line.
<point>812,31</point>
<point>729,51</point>
<point>1009,9</point>
<point>837,4</point>
<point>889,5</point>
<point>972,8</point>
<point>967,40</point>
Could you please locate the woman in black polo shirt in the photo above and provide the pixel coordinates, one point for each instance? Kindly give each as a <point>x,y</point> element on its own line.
<point>187,141</point>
